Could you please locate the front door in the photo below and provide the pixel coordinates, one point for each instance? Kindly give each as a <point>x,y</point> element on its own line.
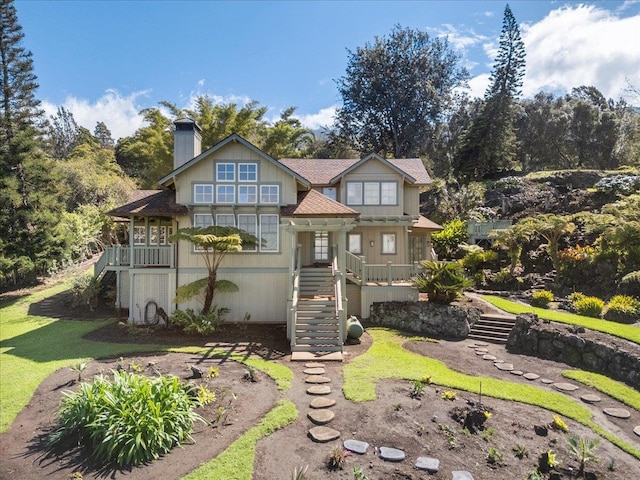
<point>320,247</point>
<point>416,248</point>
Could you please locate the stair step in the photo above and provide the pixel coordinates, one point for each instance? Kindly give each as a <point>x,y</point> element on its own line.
<point>490,339</point>
<point>498,316</point>
<point>316,348</point>
<point>492,328</point>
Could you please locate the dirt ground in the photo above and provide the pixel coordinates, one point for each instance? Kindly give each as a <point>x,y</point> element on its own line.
<point>419,427</point>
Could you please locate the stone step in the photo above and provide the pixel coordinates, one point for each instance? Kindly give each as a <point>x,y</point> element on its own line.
<point>487,338</point>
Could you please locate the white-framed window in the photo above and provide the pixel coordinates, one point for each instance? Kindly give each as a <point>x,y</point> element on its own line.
<point>202,220</point>
<point>247,172</point>
<point>354,193</point>
<point>248,194</point>
<point>140,235</point>
<point>226,172</point>
<point>371,193</point>
<point>202,193</point>
<point>165,233</point>
<point>355,243</point>
<point>389,244</point>
<point>330,192</point>
<point>248,223</point>
<point>270,194</point>
<point>269,233</point>
<point>321,246</point>
<point>388,193</point>
<point>225,220</point>
<point>225,193</point>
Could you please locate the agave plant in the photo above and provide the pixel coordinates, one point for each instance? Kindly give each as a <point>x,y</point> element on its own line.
<point>582,449</point>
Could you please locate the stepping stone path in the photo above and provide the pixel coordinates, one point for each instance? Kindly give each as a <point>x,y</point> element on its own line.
<point>481,351</point>
<point>506,367</point>
<point>488,357</point>
<point>637,430</point>
<point>590,398</point>
<point>391,454</point>
<point>617,412</point>
<point>461,475</point>
<point>320,415</point>
<point>546,381</point>
<point>531,376</point>
<point>356,446</point>
<point>516,372</point>
<point>428,464</point>
<point>565,387</point>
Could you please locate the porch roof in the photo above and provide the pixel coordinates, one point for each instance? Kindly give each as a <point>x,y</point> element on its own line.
<point>314,204</point>
<point>425,224</point>
<point>147,203</point>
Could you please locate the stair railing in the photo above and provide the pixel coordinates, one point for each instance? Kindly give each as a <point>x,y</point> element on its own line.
<point>295,295</point>
<point>337,285</point>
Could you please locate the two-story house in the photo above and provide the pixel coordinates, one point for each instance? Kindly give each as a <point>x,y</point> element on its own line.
<point>334,236</point>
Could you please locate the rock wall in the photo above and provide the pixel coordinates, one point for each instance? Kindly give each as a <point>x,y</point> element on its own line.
<point>575,346</point>
<point>431,319</point>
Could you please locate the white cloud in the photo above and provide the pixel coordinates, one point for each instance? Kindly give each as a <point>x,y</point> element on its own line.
<point>119,113</point>
<point>315,121</point>
<point>581,45</point>
<point>460,38</point>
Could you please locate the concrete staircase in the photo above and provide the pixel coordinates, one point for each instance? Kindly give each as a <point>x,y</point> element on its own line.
<point>317,327</point>
<point>493,328</point>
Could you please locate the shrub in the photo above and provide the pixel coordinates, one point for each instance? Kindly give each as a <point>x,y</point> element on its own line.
<point>623,309</point>
<point>85,292</point>
<point>559,424</point>
<point>442,281</point>
<point>589,306</point>
<point>624,184</point>
<point>474,261</point>
<point>128,421</point>
<point>630,283</point>
<point>447,241</point>
<point>197,323</point>
<point>337,458</point>
<point>541,298</point>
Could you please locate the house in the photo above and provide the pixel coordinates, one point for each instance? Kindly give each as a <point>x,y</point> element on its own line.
<point>335,236</point>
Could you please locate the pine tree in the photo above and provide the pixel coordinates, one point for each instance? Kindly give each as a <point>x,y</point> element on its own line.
<point>489,144</point>
<point>29,205</point>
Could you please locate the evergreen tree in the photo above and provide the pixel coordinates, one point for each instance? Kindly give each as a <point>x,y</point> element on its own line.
<point>63,133</point>
<point>29,205</point>
<point>103,135</point>
<point>489,145</point>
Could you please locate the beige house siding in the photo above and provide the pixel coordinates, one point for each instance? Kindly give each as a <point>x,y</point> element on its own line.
<point>411,200</point>
<point>374,253</point>
<point>353,294</point>
<point>150,287</point>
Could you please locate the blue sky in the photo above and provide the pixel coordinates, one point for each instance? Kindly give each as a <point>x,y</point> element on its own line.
<point>106,60</point>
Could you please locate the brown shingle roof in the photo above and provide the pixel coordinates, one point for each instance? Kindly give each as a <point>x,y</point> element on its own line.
<point>413,167</point>
<point>315,204</point>
<point>146,203</point>
<point>426,224</point>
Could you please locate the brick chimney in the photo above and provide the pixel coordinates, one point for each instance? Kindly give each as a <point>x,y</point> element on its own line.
<point>187,141</point>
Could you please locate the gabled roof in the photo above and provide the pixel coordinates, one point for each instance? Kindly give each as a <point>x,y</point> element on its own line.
<point>423,223</point>
<point>168,179</point>
<point>314,204</point>
<point>146,203</point>
<point>327,171</point>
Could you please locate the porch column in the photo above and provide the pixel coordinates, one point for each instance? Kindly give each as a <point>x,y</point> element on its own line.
<point>131,240</point>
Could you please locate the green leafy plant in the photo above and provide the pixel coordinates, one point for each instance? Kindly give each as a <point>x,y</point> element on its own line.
<point>450,434</point>
<point>417,389</point>
<point>337,458</point>
<point>535,475</point>
<point>589,306</point>
<point>299,473</point>
<point>79,367</point>
<point>488,434</point>
<point>520,451</point>
<point>582,449</point>
<point>194,323</point>
<point>205,396</point>
<point>494,456</point>
<point>559,424</point>
<point>474,261</point>
<point>442,281</point>
<point>250,374</point>
<point>448,395</point>
<point>541,298</point>
<point>358,474</point>
<point>623,309</point>
<point>447,241</point>
<point>129,420</point>
<point>136,367</point>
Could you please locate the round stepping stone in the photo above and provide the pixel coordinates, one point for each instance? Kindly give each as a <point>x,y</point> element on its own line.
<point>590,398</point>
<point>314,371</point>
<point>481,351</point>
<point>461,475</point>
<point>499,361</point>
<point>322,416</point>
<point>531,376</point>
<point>637,430</point>
<point>617,412</point>
<point>319,390</point>
<point>546,380</point>
<point>565,387</point>
<point>506,367</point>
<point>481,344</point>
<point>323,434</point>
<point>472,346</point>
<point>317,379</point>
<point>322,402</point>
<point>356,446</point>
<point>428,464</point>
<point>516,372</point>
<point>488,357</point>
<point>391,454</point>
<point>313,365</point>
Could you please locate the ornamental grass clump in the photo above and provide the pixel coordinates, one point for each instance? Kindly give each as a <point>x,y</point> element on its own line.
<point>589,306</point>
<point>541,298</point>
<point>129,420</point>
<point>622,309</point>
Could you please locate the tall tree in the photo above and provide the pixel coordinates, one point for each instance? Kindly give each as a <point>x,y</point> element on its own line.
<point>103,135</point>
<point>63,133</point>
<point>29,204</point>
<point>395,91</point>
<point>489,145</point>
<point>287,137</point>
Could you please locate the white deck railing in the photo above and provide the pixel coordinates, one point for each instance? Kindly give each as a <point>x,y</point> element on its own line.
<point>387,273</point>
<point>120,256</point>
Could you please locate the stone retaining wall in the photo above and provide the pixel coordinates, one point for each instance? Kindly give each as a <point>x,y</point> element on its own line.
<point>431,319</point>
<point>575,346</point>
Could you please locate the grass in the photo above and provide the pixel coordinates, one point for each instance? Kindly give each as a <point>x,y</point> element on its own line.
<point>620,330</point>
<point>236,462</point>
<point>387,359</point>
<point>612,388</point>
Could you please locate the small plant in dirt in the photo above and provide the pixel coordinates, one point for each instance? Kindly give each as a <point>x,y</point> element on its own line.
<point>471,418</point>
<point>488,434</point>
<point>337,458</point>
<point>419,429</point>
<point>113,420</point>
<point>520,451</point>
<point>299,473</point>
<point>448,395</point>
<point>547,461</point>
<point>559,424</point>
<point>583,450</point>
<point>417,389</point>
<point>75,476</point>
<point>397,407</point>
<point>622,309</point>
<point>358,474</point>
<point>541,298</point>
<point>494,456</point>
<point>79,367</point>
<point>205,396</point>
<point>136,367</point>
<point>213,372</point>
<point>450,434</point>
<point>193,323</point>
<point>250,374</point>
<point>589,306</point>
<point>535,475</point>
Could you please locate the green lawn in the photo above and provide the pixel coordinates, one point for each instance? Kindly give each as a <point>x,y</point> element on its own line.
<point>628,332</point>
<point>387,359</point>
